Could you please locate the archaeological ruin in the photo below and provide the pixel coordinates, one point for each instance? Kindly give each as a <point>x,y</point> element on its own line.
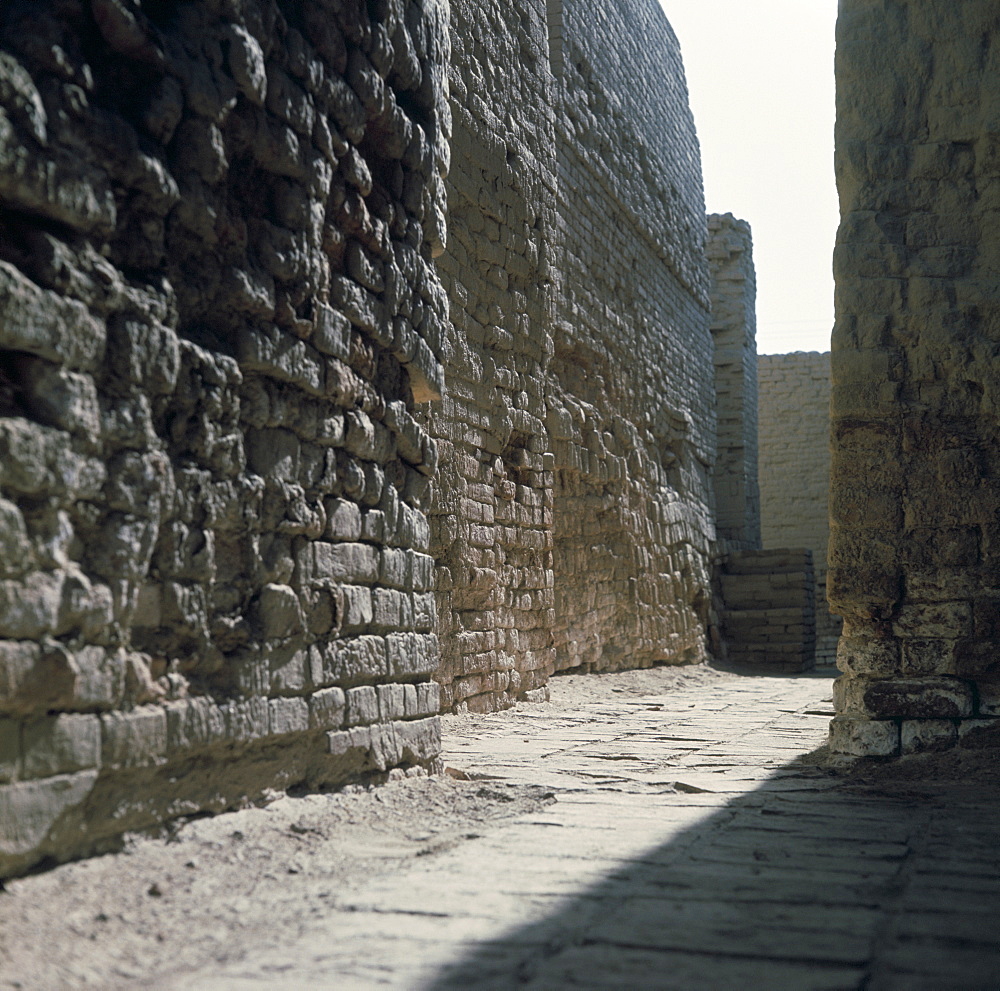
<point>366,359</point>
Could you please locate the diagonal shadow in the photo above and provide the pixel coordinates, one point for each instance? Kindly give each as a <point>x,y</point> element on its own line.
<point>814,880</point>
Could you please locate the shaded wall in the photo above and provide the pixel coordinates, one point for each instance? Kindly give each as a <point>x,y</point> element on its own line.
<point>915,541</point>
<point>795,469</point>
<point>491,519</point>
<point>216,310</point>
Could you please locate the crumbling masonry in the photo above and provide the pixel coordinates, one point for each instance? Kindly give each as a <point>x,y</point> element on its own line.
<point>915,499</point>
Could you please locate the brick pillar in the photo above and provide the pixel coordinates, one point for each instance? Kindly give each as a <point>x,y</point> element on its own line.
<point>915,504</point>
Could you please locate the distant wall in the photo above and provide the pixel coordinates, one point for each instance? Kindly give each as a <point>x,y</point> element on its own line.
<point>491,518</point>
<point>573,516</point>
<point>631,401</point>
<point>795,469</point>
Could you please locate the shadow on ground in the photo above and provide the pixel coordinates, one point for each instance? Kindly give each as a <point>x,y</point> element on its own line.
<point>881,877</point>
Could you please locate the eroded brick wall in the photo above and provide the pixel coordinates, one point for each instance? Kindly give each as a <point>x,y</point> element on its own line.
<point>631,404</point>
<point>491,521</point>
<point>915,499</point>
<point>795,469</point>
<point>217,307</point>
<point>573,519</point>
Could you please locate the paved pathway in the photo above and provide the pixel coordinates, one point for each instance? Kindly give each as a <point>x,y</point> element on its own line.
<point>692,844</point>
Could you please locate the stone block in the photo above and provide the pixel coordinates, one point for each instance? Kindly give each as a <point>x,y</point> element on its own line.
<point>61,744</point>
<point>10,749</point>
<point>357,659</point>
<point>193,723</point>
<point>340,743</point>
<point>322,562</point>
<point>859,737</point>
<point>392,702</point>
<point>419,740</point>
<point>343,520</point>
<point>247,720</point>
<point>327,708</point>
<point>30,809</point>
<point>919,735</point>
<point>134,739</point>
<point>288,715</point>
<point>412,654</point>
<point>979,733</point>
<point>277,613</point>
<point>924,698</point>
<point>362,706</point>
<point>988,698</point>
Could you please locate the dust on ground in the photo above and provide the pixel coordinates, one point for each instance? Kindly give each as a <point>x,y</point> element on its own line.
<point>210,889</point>
<point>213,886</point>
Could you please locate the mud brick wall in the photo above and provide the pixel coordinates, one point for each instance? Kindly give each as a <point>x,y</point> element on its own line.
<point>734,331</point>
<point>770,608</point>
<point>795,469</point>
<point>217,308</point>
<point>631,412</point>
<point>915,497</point>
<point>491,521</point>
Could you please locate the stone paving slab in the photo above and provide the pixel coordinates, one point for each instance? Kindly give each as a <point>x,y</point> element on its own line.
<point>721,852</point>
<point>693,843</point>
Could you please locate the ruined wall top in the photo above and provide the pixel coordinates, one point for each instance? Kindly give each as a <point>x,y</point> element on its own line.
<point>635,90</point>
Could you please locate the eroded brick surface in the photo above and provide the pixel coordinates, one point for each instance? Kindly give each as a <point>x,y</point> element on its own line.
<point>217,309</point>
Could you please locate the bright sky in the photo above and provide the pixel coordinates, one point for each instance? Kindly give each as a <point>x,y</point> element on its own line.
<point>760,74</point>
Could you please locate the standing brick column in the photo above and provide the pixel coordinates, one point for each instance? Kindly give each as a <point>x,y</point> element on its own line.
<point>915,505</point>
<point>734,331</point>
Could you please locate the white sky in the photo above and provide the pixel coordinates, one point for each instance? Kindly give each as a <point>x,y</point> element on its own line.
<point>760,74</point>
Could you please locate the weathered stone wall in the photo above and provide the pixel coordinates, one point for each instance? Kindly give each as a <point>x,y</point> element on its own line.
<point>491,521</point>
<point>915,499</point>
<point>631,406</point>
<point>217,307</point>
<point>573,517</point>
<point>795,469</point>
<point>734,332</point>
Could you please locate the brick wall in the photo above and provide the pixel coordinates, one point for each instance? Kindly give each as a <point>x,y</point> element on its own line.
<point>631,407</point>
<point>217,307</point>
<point>915,499</point>
<point>769,619</point>
<point>491,519</point>
<point>795,469</point>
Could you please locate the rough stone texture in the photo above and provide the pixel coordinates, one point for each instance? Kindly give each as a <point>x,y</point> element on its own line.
<point>738,508</point>
<point>795,469</point>
<point>491,520</point>
<point>226,548</point>
<point>217,307</point>
<point>769,608</point>
<point>915,540</point>
<point>631,401</point>
<point>573,518</point>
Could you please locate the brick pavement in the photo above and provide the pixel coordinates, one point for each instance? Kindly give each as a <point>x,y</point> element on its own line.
<point>693,843</point>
